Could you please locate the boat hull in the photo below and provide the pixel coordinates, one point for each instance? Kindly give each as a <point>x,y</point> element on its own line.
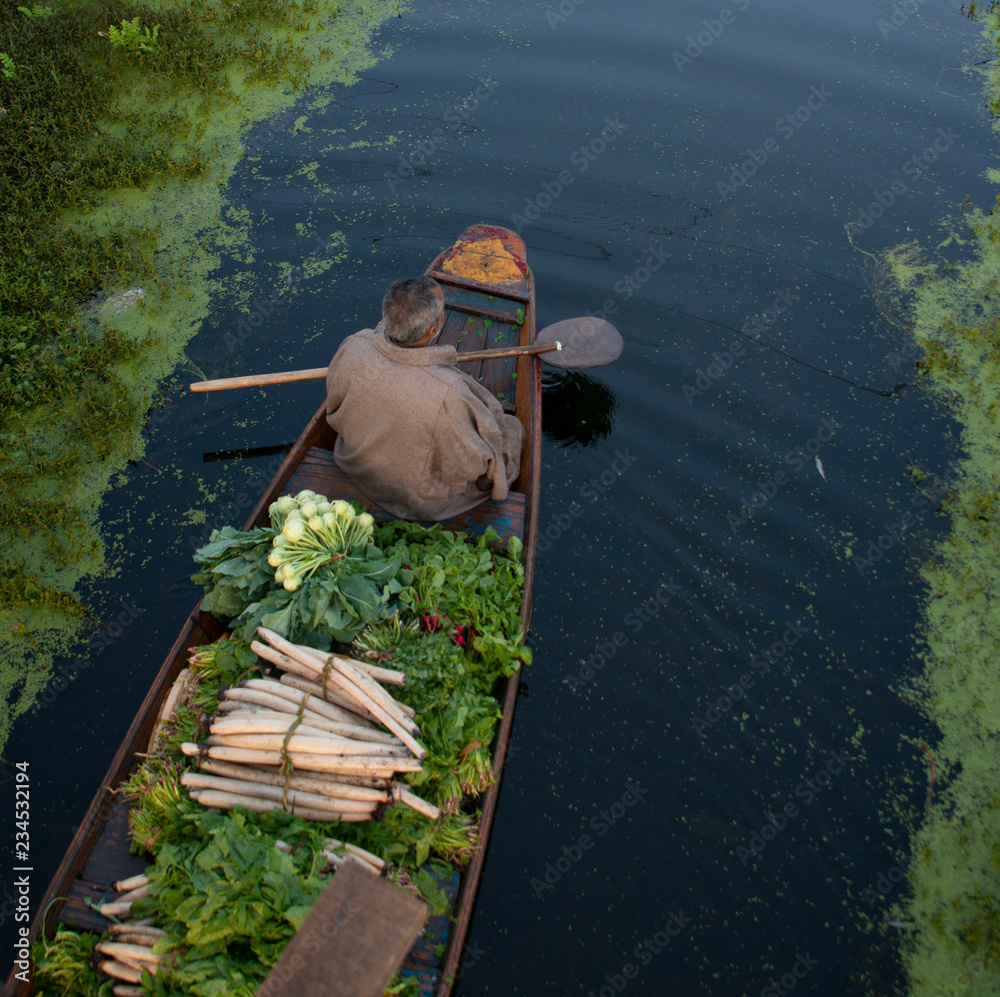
<point>489,298</point>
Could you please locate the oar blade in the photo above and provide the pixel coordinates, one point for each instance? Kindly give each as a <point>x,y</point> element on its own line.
<point>586,342</point>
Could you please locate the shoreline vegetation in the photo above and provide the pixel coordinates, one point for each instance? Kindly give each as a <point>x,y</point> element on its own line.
<point>950,919</point>
<point>120,123</point>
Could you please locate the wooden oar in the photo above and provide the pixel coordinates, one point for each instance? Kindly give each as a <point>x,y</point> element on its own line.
<point>574,343</point>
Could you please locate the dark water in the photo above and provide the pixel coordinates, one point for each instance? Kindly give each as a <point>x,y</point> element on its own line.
<point>632,849</point>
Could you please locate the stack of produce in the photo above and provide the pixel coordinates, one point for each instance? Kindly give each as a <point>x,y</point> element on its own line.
<point>314,575</point>
<point>129,949</point>
<point>230,886</point>
<point>309,743</point>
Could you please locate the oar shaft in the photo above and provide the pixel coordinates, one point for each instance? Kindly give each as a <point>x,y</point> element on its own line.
<point>253,380</point>
<point>508,351</point>
<point>315,373</point>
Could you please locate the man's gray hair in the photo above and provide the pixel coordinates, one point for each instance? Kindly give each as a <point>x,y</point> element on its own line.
<point>410,308</point>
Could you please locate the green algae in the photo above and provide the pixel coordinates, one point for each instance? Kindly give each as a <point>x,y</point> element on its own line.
<point>126,190</point>
<point>952,945</point>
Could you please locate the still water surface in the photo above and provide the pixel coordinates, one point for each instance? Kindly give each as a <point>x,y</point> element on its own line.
<point>706,499</point>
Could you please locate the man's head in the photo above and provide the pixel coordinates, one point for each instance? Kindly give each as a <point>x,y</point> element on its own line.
<point>412,308</point>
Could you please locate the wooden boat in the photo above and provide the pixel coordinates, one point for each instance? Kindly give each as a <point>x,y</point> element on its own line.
<point>489,298</point>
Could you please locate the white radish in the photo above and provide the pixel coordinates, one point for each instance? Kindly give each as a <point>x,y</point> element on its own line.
<point>226,801</point>
<point>298,780</point>
<point>295,797</point>
<point>132,883</point>
<point>402,795</point>
<point>306,743</point>
<point>120,971</point>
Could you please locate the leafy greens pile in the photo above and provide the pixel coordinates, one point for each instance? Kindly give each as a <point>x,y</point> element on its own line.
<point>330,581</point>
<point>441,609</point>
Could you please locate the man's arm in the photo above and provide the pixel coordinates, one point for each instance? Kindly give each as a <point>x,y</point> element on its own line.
<point>479,445</point>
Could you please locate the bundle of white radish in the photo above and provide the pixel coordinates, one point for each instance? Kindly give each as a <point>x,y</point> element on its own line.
<point>309,743</point>
<point>129,949</point>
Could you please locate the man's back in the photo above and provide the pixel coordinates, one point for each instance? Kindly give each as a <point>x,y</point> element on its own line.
<point>415,434</point>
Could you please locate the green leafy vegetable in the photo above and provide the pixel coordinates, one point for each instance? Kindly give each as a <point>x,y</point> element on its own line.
<point>429,602</point>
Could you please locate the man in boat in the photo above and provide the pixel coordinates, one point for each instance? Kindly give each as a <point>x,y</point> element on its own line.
<point>415,433</point>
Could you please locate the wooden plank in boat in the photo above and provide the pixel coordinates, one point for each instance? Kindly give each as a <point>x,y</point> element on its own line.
<point>511,292</point>
<point>107,862</point>
<point>498,375</point>
<point>454,332</point>
<point>351,942</point>
<point>318,470</point>
<point>479,303</point>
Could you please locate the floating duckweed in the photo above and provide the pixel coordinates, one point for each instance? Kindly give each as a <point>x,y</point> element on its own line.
<point>953,945</point>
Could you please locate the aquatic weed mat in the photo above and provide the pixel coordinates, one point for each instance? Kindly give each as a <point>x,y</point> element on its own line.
<point>950,920</point>
<point>120,124</point>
